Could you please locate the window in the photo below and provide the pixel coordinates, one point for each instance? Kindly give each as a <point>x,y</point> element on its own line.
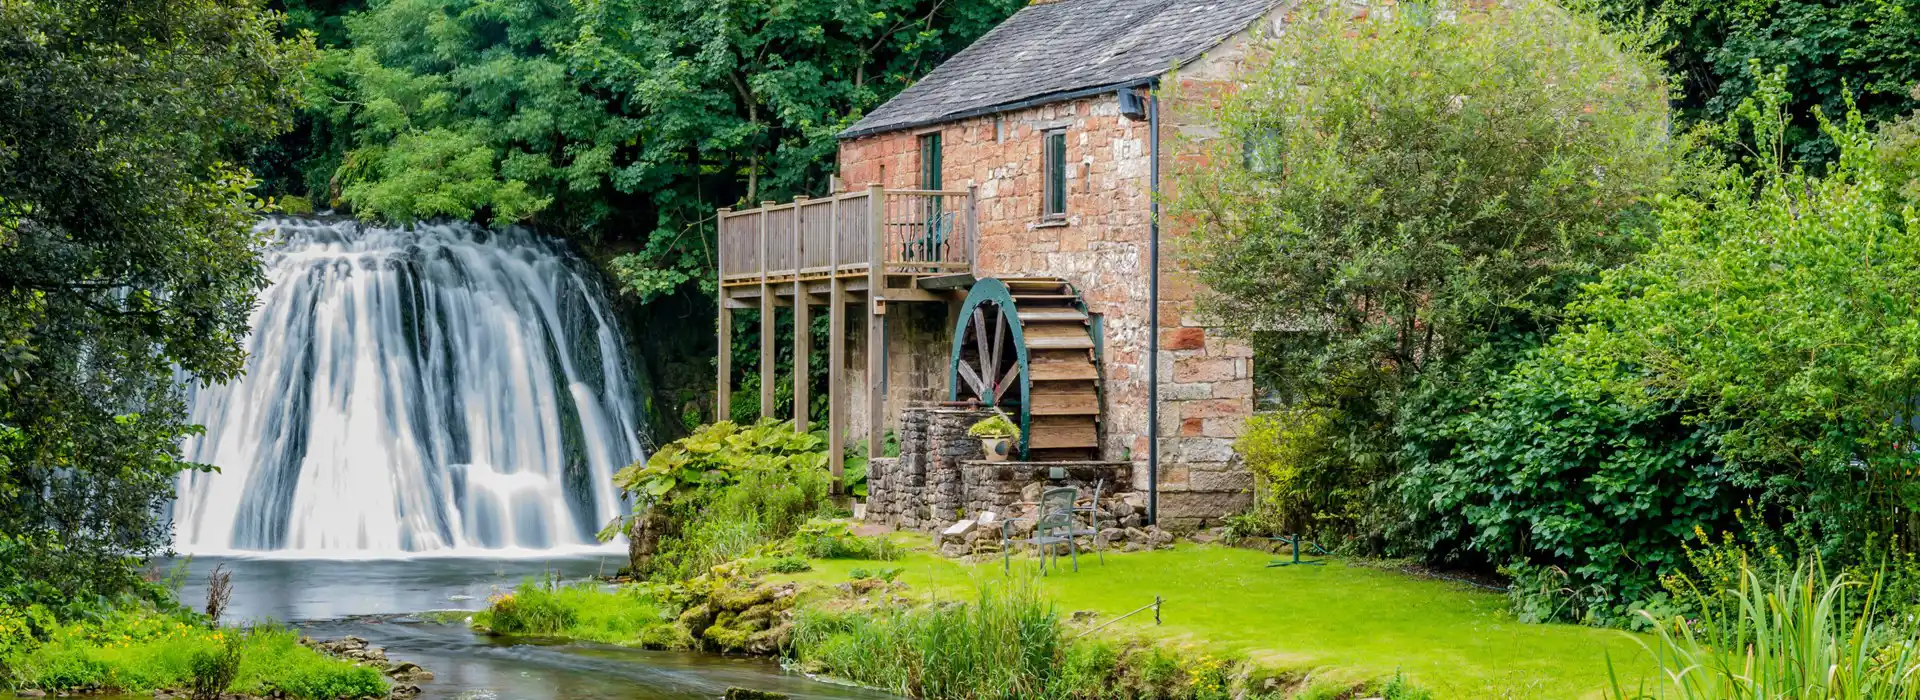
<point>1055,166</point>
<point>930,161</point>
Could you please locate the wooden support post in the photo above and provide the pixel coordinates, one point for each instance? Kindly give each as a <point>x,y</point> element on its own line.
<point>802,324</point>
<point>767,372</point>
<point>723,391</point>
<point>836,356</point>
<point>876,320</point>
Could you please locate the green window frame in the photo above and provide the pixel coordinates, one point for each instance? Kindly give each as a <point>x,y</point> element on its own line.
<point>930,161</point>
<point>1054,148</point>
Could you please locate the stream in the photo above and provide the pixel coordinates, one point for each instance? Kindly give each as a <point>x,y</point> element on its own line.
<point>375,599</point>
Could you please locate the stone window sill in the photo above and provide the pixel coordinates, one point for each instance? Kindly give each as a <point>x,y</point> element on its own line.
<point>1048,223</point>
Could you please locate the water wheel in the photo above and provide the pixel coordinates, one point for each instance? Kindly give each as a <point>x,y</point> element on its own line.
<point>1027,346</point>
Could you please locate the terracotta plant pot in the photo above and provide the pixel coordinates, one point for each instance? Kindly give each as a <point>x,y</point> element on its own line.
<point>997,449</point>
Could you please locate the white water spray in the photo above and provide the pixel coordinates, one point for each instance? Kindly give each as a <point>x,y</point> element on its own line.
<point>434,390</point>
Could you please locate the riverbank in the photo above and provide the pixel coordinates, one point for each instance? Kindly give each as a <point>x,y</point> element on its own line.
<point>1330,628</point>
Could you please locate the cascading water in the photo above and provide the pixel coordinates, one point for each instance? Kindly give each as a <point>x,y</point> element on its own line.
<point>438,389</point>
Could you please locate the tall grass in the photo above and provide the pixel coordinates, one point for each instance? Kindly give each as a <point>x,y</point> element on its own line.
<point>763,507</point>
<point>628,615</point>
<point>1002,646</point>
<point>1801,637</point>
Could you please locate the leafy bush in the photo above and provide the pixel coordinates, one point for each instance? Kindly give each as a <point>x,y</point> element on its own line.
<point>214,669</point>
<point>1302,482</point>
<point>721,493</point>
<point>1583,498</point>
<point>1393,195</point>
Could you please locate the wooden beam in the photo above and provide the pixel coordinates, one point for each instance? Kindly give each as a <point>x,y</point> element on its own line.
<point>723,362</point>
<point>876,320</point>
<point>767,372</point>
<point>836,361</point>
<point>802,348</point>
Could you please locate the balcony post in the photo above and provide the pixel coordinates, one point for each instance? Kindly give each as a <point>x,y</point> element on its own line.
<point>723,364</point>
<point>802,321</point>
<point>766,317</point>
<point>876,319</point>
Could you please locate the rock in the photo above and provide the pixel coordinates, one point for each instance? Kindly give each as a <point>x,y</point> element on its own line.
<point>747,694</point>
<point>1023,528</point>
<point>697,619</point>
<point>1031,492</point>
<point>30,693</point>
<point>957,532</point>
<point>953,550</point>
<point>404,692</point>
<point>404,667</point>
<point>737,599</point>
<point>989,518</point>
<point>1131,521</point>
<point>1119,508</point>
<point>1109,537</point>
<point>1081,616</point>
<point>1132,547</point>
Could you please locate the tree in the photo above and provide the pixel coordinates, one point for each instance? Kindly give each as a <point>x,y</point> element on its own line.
<point>128,260</point>
<point>1838,56</point>
<point>1392,195</point>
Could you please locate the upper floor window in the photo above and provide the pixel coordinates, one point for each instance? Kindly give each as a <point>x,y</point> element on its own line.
<point>1054,150</point>
<point>930,161</point>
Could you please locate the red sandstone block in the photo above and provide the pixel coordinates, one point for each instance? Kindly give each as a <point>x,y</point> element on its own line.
<point>1193,427</point>
<point>1206,370</point>
<point>1215,408</point>
<point>1184,339</point>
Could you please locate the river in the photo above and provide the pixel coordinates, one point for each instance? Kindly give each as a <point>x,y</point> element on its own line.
<point>377,600</point>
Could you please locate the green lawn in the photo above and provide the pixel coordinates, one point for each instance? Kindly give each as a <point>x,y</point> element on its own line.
<point>1340,621</point>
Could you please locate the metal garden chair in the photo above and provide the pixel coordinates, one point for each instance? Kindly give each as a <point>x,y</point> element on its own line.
<point>1055,524</point>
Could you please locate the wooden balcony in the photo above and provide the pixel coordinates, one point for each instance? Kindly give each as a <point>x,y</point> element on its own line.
<point>912,235</point>
<point>850,254</point>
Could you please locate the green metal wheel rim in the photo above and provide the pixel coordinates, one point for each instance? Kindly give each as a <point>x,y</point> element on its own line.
<point>994,291</point>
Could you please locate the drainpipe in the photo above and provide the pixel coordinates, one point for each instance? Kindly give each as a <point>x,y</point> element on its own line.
<point>1153,303</point>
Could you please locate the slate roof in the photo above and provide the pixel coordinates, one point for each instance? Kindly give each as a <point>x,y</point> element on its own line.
<point>1061,47</point>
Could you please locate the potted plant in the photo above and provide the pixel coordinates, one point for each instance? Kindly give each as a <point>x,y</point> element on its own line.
<point>997,435</point>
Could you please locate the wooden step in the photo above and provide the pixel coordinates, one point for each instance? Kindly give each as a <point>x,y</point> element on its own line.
<point>1052,314</point>
<point>1055,432</point>
<point>1058,336</point>
<point>1084,402</point>
<point>1019,298</point>
<point>1062,370</point>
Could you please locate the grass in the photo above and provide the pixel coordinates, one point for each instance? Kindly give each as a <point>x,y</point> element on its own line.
<point>142,651</point>
<point>627,615</point>
<point>1338,621</point>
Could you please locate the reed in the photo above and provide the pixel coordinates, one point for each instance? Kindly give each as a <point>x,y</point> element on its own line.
<point>1802,636</point>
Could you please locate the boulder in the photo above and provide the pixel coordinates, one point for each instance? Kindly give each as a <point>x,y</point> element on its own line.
<point>1031,492</point>
<point>953,550</point>
<point>697,619</point>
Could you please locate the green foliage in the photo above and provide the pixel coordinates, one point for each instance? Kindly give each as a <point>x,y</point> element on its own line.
<point>1780,306</point>
<point>723,492</point>
<point>1393,196</point>
<point>127,254</point>
<point>995,426</point>
<point>1301,480</point>
<point>1830,50</point>
<point>1800,637</point>
<point>213,670</point>
<point>834,539</point>
<point>137,649</point>
<point>790,565</point>
<point>1583,497</point>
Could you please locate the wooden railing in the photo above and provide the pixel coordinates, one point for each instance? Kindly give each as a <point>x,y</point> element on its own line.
<point>913,232</point>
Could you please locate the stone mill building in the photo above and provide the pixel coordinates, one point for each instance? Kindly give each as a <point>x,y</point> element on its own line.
<point>996,241</point>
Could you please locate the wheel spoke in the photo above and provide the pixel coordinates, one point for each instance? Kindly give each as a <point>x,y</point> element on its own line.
<point>973,378</point>
<point>1005,382</point>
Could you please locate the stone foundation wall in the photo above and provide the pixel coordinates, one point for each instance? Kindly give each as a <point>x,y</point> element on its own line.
<point>941,477</point>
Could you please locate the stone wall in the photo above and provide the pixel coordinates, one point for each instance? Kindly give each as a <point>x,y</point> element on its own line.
<point>1206,386</point>
<point>941,477</point>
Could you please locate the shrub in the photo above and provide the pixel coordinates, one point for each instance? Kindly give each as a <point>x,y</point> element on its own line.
<point>1389,195</point>
<point>215,669</point>
<point>1302,483</point>
<point>630,615</point>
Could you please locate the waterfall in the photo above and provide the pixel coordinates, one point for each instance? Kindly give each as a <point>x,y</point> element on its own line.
<point>443,388</point>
